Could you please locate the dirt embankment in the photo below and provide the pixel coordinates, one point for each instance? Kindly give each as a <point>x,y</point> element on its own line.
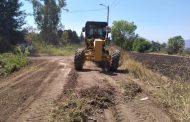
<point>51,90</point>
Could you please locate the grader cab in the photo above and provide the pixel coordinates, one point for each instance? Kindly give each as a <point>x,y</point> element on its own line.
<point>96,34</point>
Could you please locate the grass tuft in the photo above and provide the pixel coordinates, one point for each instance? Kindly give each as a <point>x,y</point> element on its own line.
<point>131,90</point>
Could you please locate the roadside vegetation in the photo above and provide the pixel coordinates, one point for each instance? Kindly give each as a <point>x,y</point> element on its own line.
<point>10,62</point>
<point>171,95</point>
<point>18,42</point>
<point>66,46</point>
<point>124,36</point>
<point>52,50</point>
<point>11,56</point>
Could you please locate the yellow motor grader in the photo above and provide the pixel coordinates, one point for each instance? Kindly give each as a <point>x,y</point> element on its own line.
<point>96,34</point>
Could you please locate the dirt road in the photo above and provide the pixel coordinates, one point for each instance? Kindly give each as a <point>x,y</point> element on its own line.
<point>31,94</point>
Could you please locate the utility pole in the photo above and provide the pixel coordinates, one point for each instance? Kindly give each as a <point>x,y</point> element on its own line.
<point>108,12</point>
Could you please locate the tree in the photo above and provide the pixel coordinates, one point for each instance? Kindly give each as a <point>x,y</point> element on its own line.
<point>155,46</point>
<point>163,45</point>
<point>123,33</point>
<point>141,45</point>
<point>75,38</point>
<point>47,17</point>
<point>11,21</point>
<point>175,45</point>
<point>69,36</point>
<point>81,37</point>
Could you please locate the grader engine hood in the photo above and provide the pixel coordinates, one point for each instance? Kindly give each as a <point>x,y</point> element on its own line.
<point>98,47</point>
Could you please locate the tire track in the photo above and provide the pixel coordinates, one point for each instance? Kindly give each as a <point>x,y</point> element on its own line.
<point>50,91</point>
<point>26,75</point>
<point>40,108</point>
<point>12,98</point>
<point>135,110</point>
<point>42,88</point>
<point>13,81</point>
<point>96,77</point>
<point>119,110</point>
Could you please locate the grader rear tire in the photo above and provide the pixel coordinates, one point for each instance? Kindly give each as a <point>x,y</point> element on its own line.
<point>114,63</point>
<point>79,59</point>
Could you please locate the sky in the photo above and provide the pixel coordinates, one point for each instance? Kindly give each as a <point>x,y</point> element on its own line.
<point>156,20</point>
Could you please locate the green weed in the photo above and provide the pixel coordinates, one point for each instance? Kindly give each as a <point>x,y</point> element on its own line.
<point>10,62</point>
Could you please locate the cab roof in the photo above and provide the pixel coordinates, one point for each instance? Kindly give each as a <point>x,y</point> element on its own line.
<point>96,23</point>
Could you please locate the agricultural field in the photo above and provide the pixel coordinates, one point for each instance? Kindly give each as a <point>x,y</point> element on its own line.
<point>173,67</point>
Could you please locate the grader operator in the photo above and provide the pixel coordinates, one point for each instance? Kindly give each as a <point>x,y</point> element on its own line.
<point>96,34</point>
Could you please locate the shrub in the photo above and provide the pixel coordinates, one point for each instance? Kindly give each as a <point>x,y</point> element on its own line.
<point>141,45</point>
<point>10,62</point>
<point>175,45</point>
<point>4,45</point>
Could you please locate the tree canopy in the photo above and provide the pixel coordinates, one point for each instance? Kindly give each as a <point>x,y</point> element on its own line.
<point>141,45</point>
<point>47,17</point>
<point>123,33</point>
<point>11,21</point>
<point>175,44</point>
<point>68,36</point>
<point>155,46</point>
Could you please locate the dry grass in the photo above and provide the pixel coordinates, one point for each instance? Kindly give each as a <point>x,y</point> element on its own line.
<point>73,109</point>
<point>173,96</point>
<point>78,106</point>
<point>131,90</point>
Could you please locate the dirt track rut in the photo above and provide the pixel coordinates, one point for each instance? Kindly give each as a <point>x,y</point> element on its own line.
<point>30,94</point>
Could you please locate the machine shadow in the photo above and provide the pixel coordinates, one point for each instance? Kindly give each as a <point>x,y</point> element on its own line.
<point>106,72</point>
<point>126,71</point>
<point>119,71</point>
<point>88,70</point>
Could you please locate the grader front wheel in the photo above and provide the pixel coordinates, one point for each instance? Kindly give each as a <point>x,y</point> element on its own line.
<point>114,63</point>
<point>79,59</point>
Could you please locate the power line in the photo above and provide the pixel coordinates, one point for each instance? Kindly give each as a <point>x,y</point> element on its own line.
<point>82,11</point>
<point>74,11</point>
<point>115,3</point>
<point>112,3</point>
